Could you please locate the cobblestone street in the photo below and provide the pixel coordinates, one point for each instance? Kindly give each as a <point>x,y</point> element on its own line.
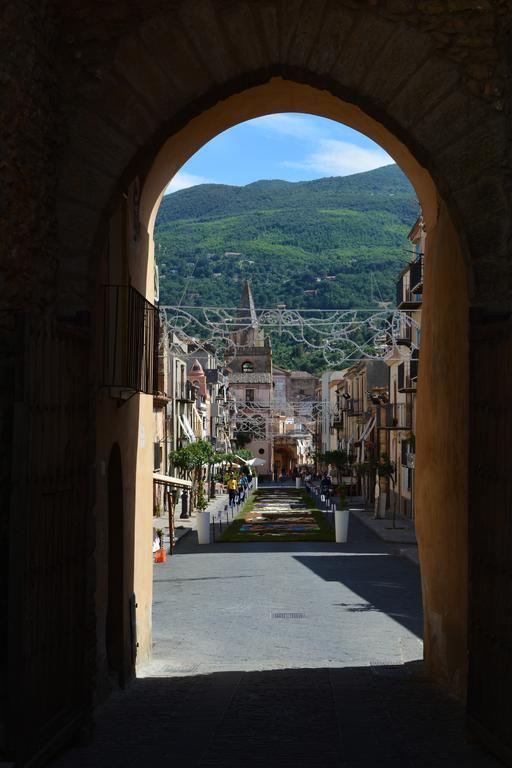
<point>303,654</point>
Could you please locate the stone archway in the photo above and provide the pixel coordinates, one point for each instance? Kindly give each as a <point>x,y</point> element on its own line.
<point>441,469</point>
<point>433,80</point>
<point>429,122</point>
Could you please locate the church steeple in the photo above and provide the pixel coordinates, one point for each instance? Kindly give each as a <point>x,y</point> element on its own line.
<point>246,331</point>
<point>246,308</point>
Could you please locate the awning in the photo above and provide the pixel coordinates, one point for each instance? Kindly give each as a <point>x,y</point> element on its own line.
<point>185,423</point>
<point>169,480</point>
<point>253,462</point>
<point>368,428</point>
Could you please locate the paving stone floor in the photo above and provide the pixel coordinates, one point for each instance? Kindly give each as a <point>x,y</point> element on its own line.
<point>231,686</point>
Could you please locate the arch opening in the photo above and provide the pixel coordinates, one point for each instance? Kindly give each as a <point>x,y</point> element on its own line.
<point>442,403</point>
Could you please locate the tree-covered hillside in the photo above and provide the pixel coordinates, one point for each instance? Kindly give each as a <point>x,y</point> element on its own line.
<point>328,243</point>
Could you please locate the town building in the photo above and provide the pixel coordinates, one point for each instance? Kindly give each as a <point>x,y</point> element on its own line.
<point>219,425</point>
<point>328,413</point>
<point>397,419</point>
<point>173,416</point>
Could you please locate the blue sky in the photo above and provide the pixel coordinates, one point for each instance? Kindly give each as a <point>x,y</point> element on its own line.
<point>291,146</point>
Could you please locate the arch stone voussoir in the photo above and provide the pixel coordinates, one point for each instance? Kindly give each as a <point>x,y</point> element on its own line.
<point>165,38</point>
<point>136,64</point>
<point>357,59</point>
<point>205,25</point>
<point>335,30</point>
<point>241,27</point>
<point>103,145</point>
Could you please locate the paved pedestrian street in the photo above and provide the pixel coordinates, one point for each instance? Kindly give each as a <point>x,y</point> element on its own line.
<point>304,654</point>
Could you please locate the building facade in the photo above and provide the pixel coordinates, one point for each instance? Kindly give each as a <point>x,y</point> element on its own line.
<point>398,418</point>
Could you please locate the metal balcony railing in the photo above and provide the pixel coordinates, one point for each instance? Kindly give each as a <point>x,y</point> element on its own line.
<point>354,407</point>
<point>130,350</point>
<point>394,416</point>
<point>405,380</point>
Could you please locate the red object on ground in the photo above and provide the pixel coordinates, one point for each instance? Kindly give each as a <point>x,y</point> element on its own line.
<point>160,556</point>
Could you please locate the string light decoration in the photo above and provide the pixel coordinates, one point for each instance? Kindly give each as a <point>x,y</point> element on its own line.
<point>343,336</point>
<point>259,420</point>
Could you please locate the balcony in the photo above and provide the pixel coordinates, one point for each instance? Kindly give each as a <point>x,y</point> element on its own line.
<point>406,297</point>
<point>337,421</point>
<point>393,416</point>
<point>414,364</point>
<point>130,351</point>
<point>354,408</point>
<point>416,276</point>
<point>214,376</point>
<point>405,383</point>
<point>187,394</point>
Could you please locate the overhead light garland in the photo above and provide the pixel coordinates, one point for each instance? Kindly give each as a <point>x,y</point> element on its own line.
<point>343,336</point>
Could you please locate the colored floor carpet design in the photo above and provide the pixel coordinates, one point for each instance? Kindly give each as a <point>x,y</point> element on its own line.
<point>288,515</point>
<point>279,515</point>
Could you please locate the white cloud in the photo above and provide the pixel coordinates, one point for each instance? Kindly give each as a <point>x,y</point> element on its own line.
<point>340,158</point>
<point>183,180</point>
<point>288,125</point>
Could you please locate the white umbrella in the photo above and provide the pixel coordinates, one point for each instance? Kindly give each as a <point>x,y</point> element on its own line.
<point>253,462</point>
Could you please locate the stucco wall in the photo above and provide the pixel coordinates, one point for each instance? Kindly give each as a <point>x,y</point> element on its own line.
<point>441,474</point>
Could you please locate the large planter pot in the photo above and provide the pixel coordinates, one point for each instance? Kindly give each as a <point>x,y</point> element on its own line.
<point>381,509</point>
<point>203,527</point>
<point>341,525</point>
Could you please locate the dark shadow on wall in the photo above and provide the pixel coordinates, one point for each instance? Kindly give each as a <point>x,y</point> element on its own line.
<point>306,718</point>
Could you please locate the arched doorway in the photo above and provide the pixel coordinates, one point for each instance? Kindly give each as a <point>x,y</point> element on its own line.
<point>445,315</point>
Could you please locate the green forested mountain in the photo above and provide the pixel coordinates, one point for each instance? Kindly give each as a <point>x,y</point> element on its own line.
<point>328,243</point>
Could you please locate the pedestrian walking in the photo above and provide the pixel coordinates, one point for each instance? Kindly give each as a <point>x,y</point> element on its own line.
<point>232,489</point>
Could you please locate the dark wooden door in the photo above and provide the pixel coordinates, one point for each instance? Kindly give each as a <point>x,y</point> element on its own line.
<point>48,536</point>
<point>490,556</point>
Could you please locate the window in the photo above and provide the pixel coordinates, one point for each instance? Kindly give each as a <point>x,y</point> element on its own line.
<point>261,451</point>
<point>157,456</point>
<point>249,395</point>
<point>247,367</point>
